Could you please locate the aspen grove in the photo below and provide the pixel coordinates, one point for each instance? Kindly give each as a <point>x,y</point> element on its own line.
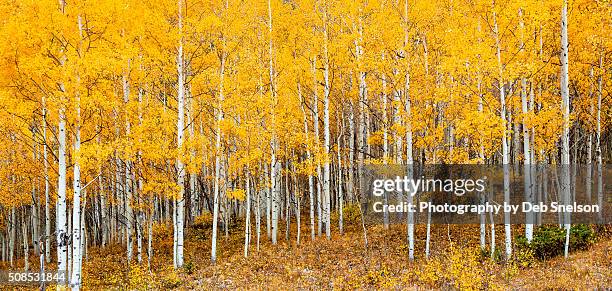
<point>120,117</point>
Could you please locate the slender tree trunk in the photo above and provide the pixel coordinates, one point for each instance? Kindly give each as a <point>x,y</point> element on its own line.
<point>600,194</point>
<point>340,194</point>
<point>60,215</point>
<point>180,203</point>
<point>309,161</point>
<point>316,131</point>
<point>47,186</point>
<point>589,157</point>
<point>274,164</point>
<point>24,231</point>
<point>409,157</point>
<point>428,236</point>
<point>75,280</point>
<point>287,199</point>
<point>565,147</point>
<point>247,223</point>
<point>149,241</point>
<point>526,143</point>
<point>385,144</point>
<point>12,235</point>
<point>128,187</point>
<point>326,134</point>
<point>505,151</point>
<point>218,153</point>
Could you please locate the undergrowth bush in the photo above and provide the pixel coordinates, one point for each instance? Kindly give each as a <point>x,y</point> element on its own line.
<point>460,268</point>
<point>549,241</point>
<point>351,215</point>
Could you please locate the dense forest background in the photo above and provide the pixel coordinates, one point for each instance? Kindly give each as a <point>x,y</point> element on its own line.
<point>142,141</point>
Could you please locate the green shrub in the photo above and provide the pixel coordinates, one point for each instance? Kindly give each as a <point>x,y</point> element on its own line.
<point>549,241</point>
<point>581,237</point>
<point>188,267</point>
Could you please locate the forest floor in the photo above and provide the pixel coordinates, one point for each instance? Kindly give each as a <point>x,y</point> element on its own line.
<point>344,262</point>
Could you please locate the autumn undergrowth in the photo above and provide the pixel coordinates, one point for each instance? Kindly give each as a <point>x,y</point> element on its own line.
<point>345,262</point>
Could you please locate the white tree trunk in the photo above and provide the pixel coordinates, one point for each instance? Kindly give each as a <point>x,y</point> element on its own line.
<point>47,187</point>
<point>24,231</point>
<point>598,141</point>
<point>481,155</point>
<point>309,161</point>
<point>247,223</point>
<point>526,144</point>
<point>527,165</point>
<point>60,215</point>
<point>409,158</point>
<point>589,157</point>
<point>128,173</point>
<point>75,280</point>
<point>385,142</point>
<point>149,241</point>
<point>274,164</point>
<point>180,203</point>
<point>326,136</point>
<point>258,218</point>
<point>340,194</point>
<point>565,107</point>
<point>492,235</point>
<point>316,142</point>
<point>505,151</point>
<point>218,153</point>
<point>139,236</point>
<point>12,235</point>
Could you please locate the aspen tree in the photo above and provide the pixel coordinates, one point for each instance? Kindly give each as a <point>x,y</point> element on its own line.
<point>61,223</point>
<point>565,107</point>
<point>505,151</point>
<point>180,202</point>
<point>75,280</point>
<point>409,157</point>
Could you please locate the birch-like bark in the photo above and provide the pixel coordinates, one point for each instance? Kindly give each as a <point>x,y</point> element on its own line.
<point>218,153</point>
<point>24,231</point>
<point>287,199</point>
<point>481,155</point>
<point>409,158</point>
<point>274,164</point>
<point>326,133</point>
<point>149,241</point>
<point>128,172</point>
<point>180,199</point>
<point>12,230</point>
<point>60,216</point>
<point>47,186</point>
<point>339,182</point>
<point>565,107</point>
<point>385,143</point>
<point>309,161</point>
<point>362,134</point>
<point>505,151</point>
<point>598,141</point>
<point>351,156</point>
<point>589,157</point>
<point>34,217</point>
<point>316,143</point>
<point>75,279</point>
<point>193,190</point>
<point>247,223</point>
<point>258,216</point>
<point>526,143</point>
